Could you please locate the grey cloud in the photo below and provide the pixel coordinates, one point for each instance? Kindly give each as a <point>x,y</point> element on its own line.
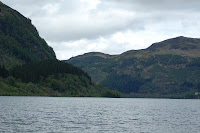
<point>33,8</point>
<point>77,23</point>
<point>74,24</point>
<point>64,22</point>
<point>160,5</point>
<point>85,29</point>
<point>28,2</point>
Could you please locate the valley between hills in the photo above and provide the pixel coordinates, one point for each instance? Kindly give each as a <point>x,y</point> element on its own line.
<point>29,67</point>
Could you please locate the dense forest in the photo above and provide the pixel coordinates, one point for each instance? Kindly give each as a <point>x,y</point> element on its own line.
<point>50,78</point>
<point>33,72</point>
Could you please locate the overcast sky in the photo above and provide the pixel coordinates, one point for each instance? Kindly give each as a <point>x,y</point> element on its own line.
<point>74,27</point>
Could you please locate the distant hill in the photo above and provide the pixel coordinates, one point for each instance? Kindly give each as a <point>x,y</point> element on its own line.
<point>170,68</point>
<point>19,40</point>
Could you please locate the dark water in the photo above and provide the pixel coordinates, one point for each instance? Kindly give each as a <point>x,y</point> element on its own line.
<point>98,115</point>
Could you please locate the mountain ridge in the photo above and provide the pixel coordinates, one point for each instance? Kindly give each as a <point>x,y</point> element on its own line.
<point>165,68</point>
<point>152,47</point>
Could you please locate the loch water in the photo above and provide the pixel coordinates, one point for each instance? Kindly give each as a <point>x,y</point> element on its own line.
<point>98,115</point>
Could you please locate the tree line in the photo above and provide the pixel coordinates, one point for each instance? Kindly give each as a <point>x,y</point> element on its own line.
<point>33,72</point>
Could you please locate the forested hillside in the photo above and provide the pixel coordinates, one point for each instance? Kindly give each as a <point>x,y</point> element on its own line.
<point>50,78</point>
<point>19,40</point>
<point>166,69</point>
<point>28,66</point>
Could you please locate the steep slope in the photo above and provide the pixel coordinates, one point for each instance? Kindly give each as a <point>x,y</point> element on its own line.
<point>171,67</point>
<point>28,66</point>
<point>19,40</point>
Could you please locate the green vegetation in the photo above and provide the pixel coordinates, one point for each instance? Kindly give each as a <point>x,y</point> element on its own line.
<point>123,83</point>
<point>33,72</point>
<point>169,69</point>
<point>19,40</point>
<point>28,66</point>
<point>3,71</point>
<point>50,78</point>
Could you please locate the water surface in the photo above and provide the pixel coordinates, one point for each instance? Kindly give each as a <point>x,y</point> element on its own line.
<point>98,115</point>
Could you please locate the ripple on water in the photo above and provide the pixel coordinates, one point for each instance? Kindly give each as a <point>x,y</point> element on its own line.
<point>50,114</point>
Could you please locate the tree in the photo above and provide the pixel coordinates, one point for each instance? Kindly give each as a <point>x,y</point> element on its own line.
<point>11,81</point>
<point>54,84</point>
<point>3,71</point>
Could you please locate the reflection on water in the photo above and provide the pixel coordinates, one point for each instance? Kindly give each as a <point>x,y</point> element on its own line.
<point>50,114</point>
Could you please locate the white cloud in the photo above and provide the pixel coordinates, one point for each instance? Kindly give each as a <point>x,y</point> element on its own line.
<point>91,4</point>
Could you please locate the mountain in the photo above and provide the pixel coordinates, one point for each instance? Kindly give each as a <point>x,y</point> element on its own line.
<point>170,68</point>
<point>19,40</point>
<point>28,66</point>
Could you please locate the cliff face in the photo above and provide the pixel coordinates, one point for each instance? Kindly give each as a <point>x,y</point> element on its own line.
<point>19,40</point>
<point>168,67</point>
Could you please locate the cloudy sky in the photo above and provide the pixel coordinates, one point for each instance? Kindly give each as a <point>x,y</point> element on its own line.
<point>74,27</point>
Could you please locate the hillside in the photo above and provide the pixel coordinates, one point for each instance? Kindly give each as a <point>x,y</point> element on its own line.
<point>28,66</point>
<point>50,78</point>
<point>19,40</point>
<point>170,68</point>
